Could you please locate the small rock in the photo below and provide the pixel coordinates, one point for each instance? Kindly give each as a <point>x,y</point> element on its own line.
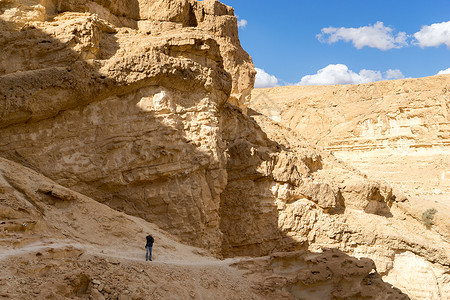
<point>401,198</point>
<point>114,262</point>
<point>96,295</point>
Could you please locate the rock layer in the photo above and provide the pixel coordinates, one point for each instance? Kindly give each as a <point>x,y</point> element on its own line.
<point>394,130</point>
<point>57,243</point>
<point>409,113</point>
<point>139,105</point>
<point>122,104</point>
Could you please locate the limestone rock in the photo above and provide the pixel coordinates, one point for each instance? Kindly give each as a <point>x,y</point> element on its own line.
<point>135,111</point>
<point>408,113</point>
<point>327,275</point>
<point>62,256</point>
<point>82,249</point>
<point>395,131</point>
<point>139,105</point>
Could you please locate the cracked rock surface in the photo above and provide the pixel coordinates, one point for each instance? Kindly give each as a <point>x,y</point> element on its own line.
<point>123,118</point>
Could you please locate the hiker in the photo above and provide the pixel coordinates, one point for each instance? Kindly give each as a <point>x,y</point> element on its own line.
<point>148,246</point>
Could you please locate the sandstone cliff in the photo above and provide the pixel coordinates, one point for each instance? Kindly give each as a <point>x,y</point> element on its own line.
<point>396,131</point>
<point>121,103</point>
<point>123,117</point>
<point>408,113</point>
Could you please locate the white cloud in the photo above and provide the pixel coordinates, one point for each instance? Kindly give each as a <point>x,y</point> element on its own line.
<point>374,36</point>
<point>447,71</point>
<point>264,79</point>
<point>393,74</point>
<point>340,74</point>
<point>242,23</point>
<point>434,35</point>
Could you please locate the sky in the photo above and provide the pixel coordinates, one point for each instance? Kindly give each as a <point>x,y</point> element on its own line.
<point>344,42</point>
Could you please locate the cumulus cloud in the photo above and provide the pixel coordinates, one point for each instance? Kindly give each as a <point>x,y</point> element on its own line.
<point>242,23</point>
<point>393,74</point>
<point>447,71</point>
<point>434,35</point>
<point>264,79</point>
<point>340,74</point>
<point>374,36</point>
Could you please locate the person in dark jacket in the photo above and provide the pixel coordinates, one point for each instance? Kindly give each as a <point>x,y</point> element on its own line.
<point>148,246</point>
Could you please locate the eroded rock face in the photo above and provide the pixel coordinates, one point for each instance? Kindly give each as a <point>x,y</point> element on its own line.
<point>396,131</point>
<point>59,244</point>
<point>109,33</point>
<point>50,250</point>
<point>278,214</point>
<point>409,113</point>
<point>328,275</point>
<point>284,190</point>
<point>120,101</point>
<point>138,105</point>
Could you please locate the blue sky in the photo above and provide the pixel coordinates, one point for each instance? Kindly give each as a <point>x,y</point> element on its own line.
<point>282,38</point>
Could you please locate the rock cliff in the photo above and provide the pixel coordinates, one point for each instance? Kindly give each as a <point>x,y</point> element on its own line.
<point>123,117</point>
<point>396,131</point>
<point>120,101</point>
<point>409,113</point>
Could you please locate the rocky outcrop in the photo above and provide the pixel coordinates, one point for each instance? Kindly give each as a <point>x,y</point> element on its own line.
<point>121,103</point>
<point>57,243</point>
<point>123,53</point>
<point>408,147</point>
<point>278,208</point>
<point>328,275</point>
<point>271,171</point>
<point>395,130</point>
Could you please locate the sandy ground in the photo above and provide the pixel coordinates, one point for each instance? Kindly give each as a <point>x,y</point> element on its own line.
<point>64,269</point>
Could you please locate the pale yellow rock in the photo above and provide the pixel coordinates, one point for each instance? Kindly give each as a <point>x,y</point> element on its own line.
<point>53,248</point>
<point>409,113</point>
<point>396,131</point>
<point>56,247</point>
<point>139,105</point>
<point>136,112</point>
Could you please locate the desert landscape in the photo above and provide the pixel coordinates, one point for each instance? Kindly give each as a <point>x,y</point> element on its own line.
<point>120,119</point>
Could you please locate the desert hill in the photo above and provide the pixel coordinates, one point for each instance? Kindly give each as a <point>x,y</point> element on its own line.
<point>395,131</point>
<point>119,119</point>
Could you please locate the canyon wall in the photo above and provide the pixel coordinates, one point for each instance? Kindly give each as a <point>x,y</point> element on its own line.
<point>123,105</point>
<point>396,131</point>
<point>408,113</point>
<point>57,243</point>
<point>140,106</point>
